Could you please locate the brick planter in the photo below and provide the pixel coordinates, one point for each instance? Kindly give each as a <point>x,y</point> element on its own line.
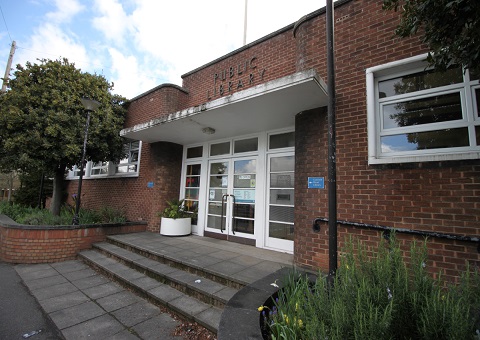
<point>42,244</point>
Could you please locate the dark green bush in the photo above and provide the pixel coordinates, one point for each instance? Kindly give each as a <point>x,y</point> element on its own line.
<point>36,216</point>
<point>378,297</point>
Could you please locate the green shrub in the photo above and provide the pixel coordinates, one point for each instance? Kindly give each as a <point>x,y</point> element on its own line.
<point>36,216</point>
<point>377,297</point>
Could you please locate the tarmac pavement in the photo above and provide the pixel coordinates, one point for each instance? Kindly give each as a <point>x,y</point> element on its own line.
<point>20,313</point>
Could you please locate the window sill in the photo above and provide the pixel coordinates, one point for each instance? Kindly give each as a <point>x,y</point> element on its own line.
<point>424,158</point>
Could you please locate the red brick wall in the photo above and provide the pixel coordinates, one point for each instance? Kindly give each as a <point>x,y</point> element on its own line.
<point>160,164</point>
<point>23,245</point>
<point>163,100</point>
<point>434,196</point>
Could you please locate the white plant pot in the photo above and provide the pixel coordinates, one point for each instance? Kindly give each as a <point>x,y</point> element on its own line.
<point>176,227</point>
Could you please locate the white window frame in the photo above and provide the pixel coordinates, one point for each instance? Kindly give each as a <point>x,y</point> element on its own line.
<point>129,161</point>
<point>375,117</point>
<point>110,166</point>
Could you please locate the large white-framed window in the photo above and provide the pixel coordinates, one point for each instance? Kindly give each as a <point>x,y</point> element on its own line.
<point>417,114</point>
<point>129,164</point>
<point>127,167</point>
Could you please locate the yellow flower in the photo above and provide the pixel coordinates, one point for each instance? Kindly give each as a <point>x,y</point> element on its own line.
<point>286,319</point>
<point>260,308</point>
<point>300,323</point>
<point>296,306</point>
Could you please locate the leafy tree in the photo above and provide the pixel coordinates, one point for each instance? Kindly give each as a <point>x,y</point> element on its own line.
<point>42,121</point>
<point>451,29</point>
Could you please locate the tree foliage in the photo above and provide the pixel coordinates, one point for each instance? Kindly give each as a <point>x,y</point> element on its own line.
<point>42,119</point>
<point>450,28</point>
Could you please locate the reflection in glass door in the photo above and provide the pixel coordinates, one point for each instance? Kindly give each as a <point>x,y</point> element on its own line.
<point>280,212</point>
<point>231,197</point>
<point>192,188</point>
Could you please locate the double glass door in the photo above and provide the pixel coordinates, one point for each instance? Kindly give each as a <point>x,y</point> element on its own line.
<point>232,197</point>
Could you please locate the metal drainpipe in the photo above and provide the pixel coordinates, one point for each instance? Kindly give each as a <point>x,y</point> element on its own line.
<point>332,171</point>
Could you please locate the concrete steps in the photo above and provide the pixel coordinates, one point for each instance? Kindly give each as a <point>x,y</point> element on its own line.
<point>187,290</point>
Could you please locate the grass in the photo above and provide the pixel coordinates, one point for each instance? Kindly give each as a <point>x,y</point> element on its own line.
<point>380,296</point>
<point>36,216</point>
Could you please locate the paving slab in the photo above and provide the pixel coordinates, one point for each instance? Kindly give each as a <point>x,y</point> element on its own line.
<point>47,282</point>
<point>90,281</point>
<point>118,300</point>
<point>68,266</point>
<point>164,293</point>
<point>79,274</point>
<point>68,317</point>
<point>145,283</point>
<point>136,313</point>
<point>32,273</point>
<point>160,326</point>
<point>103,290</point>
<point>52,291</point>
<point>64,301</point>
<point>188,304</point>
<point>97,328</point>
<point>124,335</point>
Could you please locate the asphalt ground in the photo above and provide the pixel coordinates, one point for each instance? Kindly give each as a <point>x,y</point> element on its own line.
<point>20,313</point>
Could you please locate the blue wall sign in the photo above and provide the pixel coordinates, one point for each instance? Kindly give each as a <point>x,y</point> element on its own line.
<point>150,185</point>
<point>316,182</point>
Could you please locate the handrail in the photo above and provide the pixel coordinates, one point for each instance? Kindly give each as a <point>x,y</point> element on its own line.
<point>466,238</point>
<point>234,222</point>
<point>221,217</point>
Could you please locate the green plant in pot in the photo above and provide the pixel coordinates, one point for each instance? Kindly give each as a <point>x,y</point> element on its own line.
<point>176,220</point>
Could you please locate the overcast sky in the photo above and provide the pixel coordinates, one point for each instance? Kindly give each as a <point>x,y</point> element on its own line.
<point>138,44</point>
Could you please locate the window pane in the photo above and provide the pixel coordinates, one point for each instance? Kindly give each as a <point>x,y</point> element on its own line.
<point>281,214</point>
<point>286,163</point>
<point>448,138</point>
<point>477,97</point>
<point>126,168</point>
<point>282,196</point>
<point>216,194</point>
<point>244,181</point>
<point>422,111</point>
<point>195,152</point>
<point>216,208</point>
<point>215,222</point>
<point>246,145</point>
<point>477,133</point>
<point>475,73</point>
<point>192,181</point>
<point>243,226</point>
<point>247,166</point>
<point>282,180</point>
<point>282,231</point>
<point>191,194</point>
<point>194,169</point>
<point>220,149</point>
<point>244,210</point>
<point>218,181</point>
<point>218,168</point>
<point>419,81</point>
<point>283,140</point>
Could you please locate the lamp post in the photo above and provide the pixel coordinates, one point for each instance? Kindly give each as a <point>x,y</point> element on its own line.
<point>90,106</point>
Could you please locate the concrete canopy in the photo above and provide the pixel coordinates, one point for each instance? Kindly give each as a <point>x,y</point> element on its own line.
<point>268,106</point>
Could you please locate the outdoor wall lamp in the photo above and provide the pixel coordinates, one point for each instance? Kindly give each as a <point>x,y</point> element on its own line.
<point>89,105</point>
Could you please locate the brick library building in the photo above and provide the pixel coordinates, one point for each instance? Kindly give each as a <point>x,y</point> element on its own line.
<point>244,141</point>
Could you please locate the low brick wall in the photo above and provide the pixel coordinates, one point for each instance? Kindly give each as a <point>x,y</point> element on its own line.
<point>42,244</point>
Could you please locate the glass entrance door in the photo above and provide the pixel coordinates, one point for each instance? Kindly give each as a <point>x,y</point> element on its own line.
<point>232,197</point>
<point>280,198</point>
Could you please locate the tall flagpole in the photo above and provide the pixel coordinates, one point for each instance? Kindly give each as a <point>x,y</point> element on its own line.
<point>245,24</point>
